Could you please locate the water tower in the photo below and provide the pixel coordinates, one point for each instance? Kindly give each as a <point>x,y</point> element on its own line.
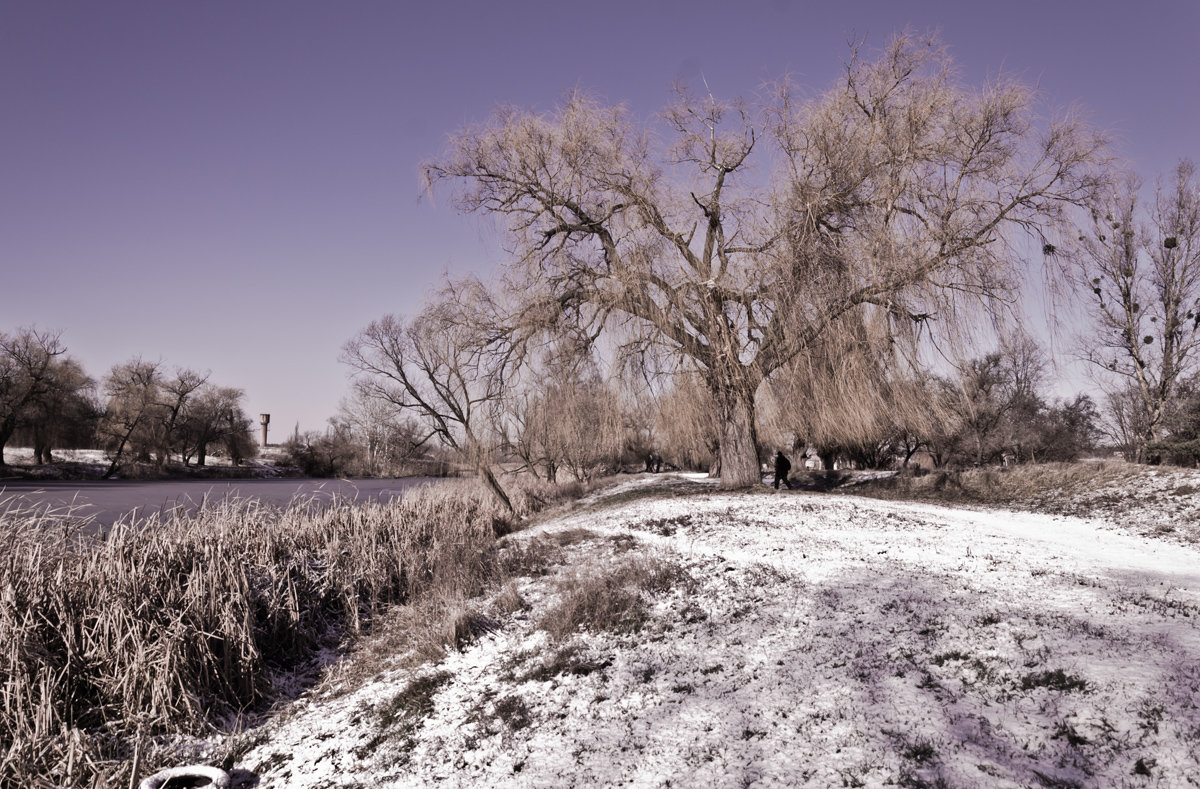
<point>264,420</point>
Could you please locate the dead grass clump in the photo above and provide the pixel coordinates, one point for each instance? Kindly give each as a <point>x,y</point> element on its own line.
<point>539,555</point>
<point>514,712</point>
<point>569,661</point>
<point>611,598</point>
<point>531,558</point>
<point>177,623</point>
<point>1057,680</point>
<point>530,495</point>
<point>667,526</point>
<point>509,600</point>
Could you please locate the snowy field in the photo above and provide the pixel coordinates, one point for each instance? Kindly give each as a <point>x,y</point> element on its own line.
<point>799,640</point>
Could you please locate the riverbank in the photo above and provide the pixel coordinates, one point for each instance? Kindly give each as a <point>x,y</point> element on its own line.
<point>91,464</point>
<point>183,624</point>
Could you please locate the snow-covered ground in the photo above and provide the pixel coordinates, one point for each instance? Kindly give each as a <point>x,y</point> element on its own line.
<point>810,640</point>
<point>24,456</point>
<point>96,461</point>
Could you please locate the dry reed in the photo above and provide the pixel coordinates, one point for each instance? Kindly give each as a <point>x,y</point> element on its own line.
<point>176,623</point>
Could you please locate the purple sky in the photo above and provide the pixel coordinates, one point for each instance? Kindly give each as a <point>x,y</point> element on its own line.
<point>232,186</point>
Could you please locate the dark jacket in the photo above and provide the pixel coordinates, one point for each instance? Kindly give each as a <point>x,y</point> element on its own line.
<point>782,465</point>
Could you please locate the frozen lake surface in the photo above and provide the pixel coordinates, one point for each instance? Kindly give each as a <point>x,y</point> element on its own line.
<point>103,502</point>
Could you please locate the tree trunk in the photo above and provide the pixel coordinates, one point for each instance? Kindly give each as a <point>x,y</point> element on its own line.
<point>6,432</point>
<point>494,486</point>
<point>115,460</point>
<point>739,443</point>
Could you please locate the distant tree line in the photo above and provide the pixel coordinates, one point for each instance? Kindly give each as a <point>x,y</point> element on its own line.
<point>140,411</point>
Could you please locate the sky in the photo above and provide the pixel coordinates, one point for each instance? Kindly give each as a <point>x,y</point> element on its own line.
<point>233,186</point>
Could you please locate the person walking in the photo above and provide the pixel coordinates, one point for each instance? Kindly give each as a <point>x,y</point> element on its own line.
<point>782,467</point>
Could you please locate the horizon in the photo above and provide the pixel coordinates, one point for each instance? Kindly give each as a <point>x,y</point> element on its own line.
<point>234,188</point>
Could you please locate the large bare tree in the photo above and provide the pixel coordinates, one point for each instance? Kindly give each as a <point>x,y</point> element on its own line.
<point>1142,271</point>
<point>736,244</point>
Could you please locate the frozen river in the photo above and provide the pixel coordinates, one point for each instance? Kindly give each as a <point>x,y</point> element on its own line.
<point>103,502</point>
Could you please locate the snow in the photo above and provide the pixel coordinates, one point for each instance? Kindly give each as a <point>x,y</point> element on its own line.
<point>97,461</point>
<point>24,456</point>
<point>823,640</point>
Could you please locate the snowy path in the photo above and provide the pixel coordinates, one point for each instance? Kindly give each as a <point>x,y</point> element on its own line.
<point>823,641</point>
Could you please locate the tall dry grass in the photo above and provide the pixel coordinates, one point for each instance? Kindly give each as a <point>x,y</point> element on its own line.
<point>175,624</point>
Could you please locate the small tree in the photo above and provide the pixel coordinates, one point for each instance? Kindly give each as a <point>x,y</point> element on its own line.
<point>214,416</point>
<point>685,425</point>
<point>1180,443</point>
<point>133,400</point>
<point>385,439</point>
<point>580,425</point>
<point>174,410</point>
<point>331,453</point>
<point>983,399</point>
<point>438,365</point>
<point>1072,429</point>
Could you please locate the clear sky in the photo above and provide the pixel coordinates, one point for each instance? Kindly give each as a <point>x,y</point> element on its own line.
<point>232,186</point>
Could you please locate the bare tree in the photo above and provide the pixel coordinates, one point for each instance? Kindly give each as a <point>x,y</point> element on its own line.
<point>213,415</point>
<point>994,409</point>
<point>582,425</point>
<point>892,193</point>
<point>559,413</point>
<point>174,400</point>
<point>1144,282</point>
<point>1024,370</point>
<point>133,394</point>
<point>523,433</point>
<point>983,399</point>
<point>64,413</point>
<point>384,437</point>
<point>26,363</point>
<point>438,365</point>
<point>686,431</point>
